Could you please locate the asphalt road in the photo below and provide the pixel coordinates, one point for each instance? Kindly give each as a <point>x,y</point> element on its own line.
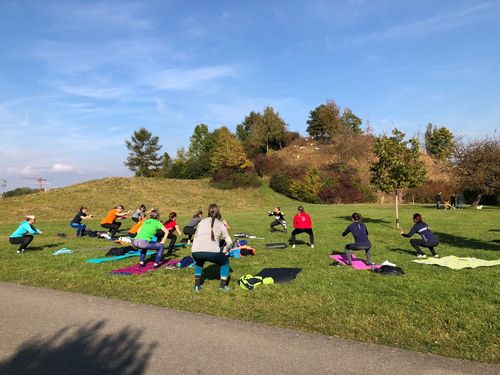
<point>45,331</point>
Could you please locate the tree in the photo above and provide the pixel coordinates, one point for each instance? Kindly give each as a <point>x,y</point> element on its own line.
<point>244,130</point>
<point>439,142</point>
<point>179,166</point>
<point>143,156</point>
<point>272,129</point>
<point>477,167</point>
<point>166,165</point>
<point>398,165</point>
<point>228,153</point>
<point>199,152</point>
<point>324,121</point>
<point>351,121</point>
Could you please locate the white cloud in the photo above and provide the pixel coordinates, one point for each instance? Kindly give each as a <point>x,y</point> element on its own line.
<point>58,167</point>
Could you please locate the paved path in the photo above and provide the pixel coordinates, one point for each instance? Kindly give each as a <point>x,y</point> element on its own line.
<point>45,331</point>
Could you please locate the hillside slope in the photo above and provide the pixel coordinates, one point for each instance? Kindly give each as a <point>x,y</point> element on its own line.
<point>182,196</point>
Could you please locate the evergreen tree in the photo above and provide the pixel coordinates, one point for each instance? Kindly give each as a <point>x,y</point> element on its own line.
<point>324,121</point>
<point>398,165</point>
<point>166,165</point>
<point>351,121</point>
<point>143,156</point>
<point>200,149</point>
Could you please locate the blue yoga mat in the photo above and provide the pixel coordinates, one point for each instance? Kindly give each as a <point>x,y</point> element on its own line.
<point>118,257</point>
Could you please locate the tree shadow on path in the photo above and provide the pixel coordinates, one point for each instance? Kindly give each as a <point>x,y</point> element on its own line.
<point>86,349</point>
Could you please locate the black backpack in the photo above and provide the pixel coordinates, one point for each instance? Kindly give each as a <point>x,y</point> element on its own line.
<point>390,270</point>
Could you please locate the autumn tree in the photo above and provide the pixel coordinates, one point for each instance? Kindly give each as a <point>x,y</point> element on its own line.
<point>439,142</point>
<point>398,165</point>
<point>228,153</point>
<point>143,156</point>
<point>477,167</point>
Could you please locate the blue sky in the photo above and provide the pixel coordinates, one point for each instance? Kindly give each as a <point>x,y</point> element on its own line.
<point>77,78</point>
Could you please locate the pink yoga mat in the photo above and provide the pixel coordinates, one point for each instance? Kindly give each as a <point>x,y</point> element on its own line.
<point>358,264</point>
<point>135,269</point>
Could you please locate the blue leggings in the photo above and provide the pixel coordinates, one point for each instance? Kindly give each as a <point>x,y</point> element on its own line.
<point>200,257</point>
<point>144,246</point>
<point>80,228</point>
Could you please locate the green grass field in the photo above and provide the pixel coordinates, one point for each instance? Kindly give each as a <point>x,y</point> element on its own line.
<point>430,309</point>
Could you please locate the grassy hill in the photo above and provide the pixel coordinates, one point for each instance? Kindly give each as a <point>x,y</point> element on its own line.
<point>182,196</point>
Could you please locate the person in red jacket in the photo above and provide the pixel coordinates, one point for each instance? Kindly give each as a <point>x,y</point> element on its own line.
<point>302,224</point>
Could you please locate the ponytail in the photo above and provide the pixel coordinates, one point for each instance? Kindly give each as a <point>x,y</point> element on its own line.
<point>214,213</point>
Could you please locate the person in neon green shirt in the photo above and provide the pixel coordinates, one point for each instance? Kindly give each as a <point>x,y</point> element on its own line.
<point>146,233</point>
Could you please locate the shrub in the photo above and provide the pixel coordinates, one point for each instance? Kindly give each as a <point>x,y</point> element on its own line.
<point>229,179</point>
<point>20,191</point>
<point>280,182</point>
<point>427,192</point>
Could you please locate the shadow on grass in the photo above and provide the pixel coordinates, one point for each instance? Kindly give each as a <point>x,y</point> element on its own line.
<point>465,242</point>
<point>42,247</point>
<point>405,251</point>
<point>212,272</point>
<point>88,349</point>
<point>366,220</point>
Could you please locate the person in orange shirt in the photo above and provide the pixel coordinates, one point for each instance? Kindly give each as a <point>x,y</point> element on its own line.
<point>132,232</point>
<point>110,220</point>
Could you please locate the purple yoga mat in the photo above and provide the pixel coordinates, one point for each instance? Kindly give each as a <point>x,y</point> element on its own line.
<point>358,264</point>
<point>135,269</point>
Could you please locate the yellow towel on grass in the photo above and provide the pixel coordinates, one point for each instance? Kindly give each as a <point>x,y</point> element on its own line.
<point>457,263</point>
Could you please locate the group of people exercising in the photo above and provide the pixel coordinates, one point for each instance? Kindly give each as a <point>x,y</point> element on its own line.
<point>210,236</point>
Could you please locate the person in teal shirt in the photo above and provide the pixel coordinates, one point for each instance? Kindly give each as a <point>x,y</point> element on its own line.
<point>23,235</point>
<point>143,242</point>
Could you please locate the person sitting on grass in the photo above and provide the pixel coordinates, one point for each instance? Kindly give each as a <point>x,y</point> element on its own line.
<point>361,241</point>
<point>303,224</point>
<point>190,228</point>
<point>23,235</point>
<point>77,221</point>
<point>279,218</point>
<point>146,233</point>
<point>171,226</point>
<point>428,238</point>
<point>110,220</point>
<point>206,247</point>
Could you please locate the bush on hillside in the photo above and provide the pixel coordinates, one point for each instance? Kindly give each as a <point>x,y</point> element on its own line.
<point>427,192</point>
<point>280,182</point>
<point>20,191</point>
<point>227,178</point>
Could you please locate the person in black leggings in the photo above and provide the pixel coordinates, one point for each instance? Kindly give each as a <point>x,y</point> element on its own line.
<point>23,235</point>
<point>428,240</point>
<point>361,241</point>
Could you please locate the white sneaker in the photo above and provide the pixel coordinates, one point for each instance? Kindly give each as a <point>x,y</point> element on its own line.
<point>436,256</point>
<point>312,246</point>
<point>293,246</point>
<point>421,256</point>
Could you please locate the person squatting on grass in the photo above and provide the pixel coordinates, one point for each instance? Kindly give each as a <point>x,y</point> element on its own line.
<point>171,226</point>
<point>146,233</point>
<point>139,214</point>
<point>428,238</point>
<point>110,220</point>
<point>303,224</point>
<point>206,247</point>
<point>361,241</point>
<point>23,235</point>
<point>190,228</point>
<point>77,221</point>
<point>279,218</point>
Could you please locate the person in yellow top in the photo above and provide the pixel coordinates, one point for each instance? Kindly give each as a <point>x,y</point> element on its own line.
<point>110,220</point>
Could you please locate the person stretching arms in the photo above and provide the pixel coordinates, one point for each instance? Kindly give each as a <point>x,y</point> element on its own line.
<point>23,235</point>
<point>428,238</point>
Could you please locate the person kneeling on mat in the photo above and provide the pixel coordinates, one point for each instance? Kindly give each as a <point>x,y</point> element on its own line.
<point>361,241</point>
<point>302,224</point>
<point>146,233</point>
<point>23,235</point>
<point>428,238</point>
<point>206,247</point>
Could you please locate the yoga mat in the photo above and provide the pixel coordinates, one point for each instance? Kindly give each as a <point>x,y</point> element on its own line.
<point>280,275</point>
<point>275,245</point>
<point>457,263</point>
<point>135,269</point>
<point>118,257</point>
<point>357,264</point>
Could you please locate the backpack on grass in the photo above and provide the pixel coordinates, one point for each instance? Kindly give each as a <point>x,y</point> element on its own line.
<point>249,282</point>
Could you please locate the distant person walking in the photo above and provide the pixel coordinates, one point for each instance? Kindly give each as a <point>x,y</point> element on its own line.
<point>206,247</point>
<point>361,241</point>
<point>303,224</point>
<point>23,235</point>
<point>77,221</point>
<point>453,201</point>
<point>438,200</point>
<point>428,240</point>
<point>460,200</point>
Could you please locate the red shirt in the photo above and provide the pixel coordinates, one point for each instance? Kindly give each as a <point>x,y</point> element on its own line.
<point>170,225</point>
<point>302,221</point>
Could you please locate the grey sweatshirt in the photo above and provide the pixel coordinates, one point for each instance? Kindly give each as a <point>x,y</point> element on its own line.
<point>202,240</point>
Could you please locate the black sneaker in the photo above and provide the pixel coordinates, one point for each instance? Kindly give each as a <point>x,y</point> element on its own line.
<point>142,265</point>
